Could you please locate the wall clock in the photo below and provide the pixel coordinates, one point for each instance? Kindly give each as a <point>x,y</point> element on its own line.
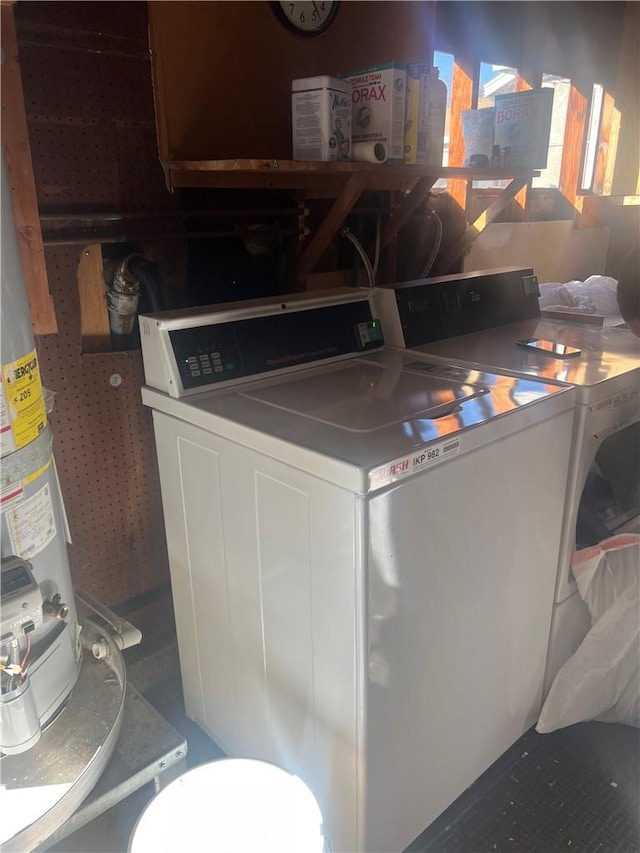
<point>306,17</point>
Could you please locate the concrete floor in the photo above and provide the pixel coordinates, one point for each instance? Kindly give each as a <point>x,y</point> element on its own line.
<point>153,669</point>
<point>576,790</point>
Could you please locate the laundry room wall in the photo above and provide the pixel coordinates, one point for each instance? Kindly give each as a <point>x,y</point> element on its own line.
<point>87,88</point>
<point>88,96</point>
<point>223,71</point>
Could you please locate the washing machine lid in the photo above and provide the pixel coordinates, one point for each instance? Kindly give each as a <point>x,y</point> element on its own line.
<point>371,419</point>
<point>609,356</point>
<point>362,397</point>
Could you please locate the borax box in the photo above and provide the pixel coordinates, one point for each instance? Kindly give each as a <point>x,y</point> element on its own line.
<point>522,123</point>
<point>378,105</point>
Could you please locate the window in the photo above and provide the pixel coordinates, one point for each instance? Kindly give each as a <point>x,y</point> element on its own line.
<point>444,63</point>
<point>550,177</point>
<point>495,80</point>
<point>593,133</point>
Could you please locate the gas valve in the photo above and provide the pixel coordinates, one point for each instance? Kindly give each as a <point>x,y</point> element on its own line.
<point>56,608</point>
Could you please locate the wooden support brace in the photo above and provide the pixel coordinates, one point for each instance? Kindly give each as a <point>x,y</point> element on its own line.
<point>406,207</point>
<point>331,223</point>
<point>485,218</point>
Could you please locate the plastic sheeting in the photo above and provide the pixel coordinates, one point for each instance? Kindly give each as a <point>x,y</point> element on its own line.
<point>595,295</point>
<point>601,680</point>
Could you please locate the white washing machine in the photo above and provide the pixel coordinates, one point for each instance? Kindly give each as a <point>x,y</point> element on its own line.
<point>362,593</point>
<point>603,488</point>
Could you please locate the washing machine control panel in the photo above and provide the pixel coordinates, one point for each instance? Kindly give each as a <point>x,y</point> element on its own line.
<point>209,354</point>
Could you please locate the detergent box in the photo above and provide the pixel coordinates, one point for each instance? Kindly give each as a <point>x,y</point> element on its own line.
<point>378,96</point>
<point>321,118</point>
<point>522,123</point>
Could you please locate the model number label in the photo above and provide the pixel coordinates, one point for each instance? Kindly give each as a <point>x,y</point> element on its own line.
<point>429,456</point>
<point>408,465</point>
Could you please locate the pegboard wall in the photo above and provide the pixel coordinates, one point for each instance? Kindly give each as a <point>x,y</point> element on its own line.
<point>87,84</point>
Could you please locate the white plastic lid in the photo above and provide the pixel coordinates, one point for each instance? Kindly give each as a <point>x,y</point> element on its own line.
<point>234,804</point>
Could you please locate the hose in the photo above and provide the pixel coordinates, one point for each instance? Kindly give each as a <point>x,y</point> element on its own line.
<point>435,248</point>
<point>376,256</point>
<point>149,286</point>
<point>348,235</point>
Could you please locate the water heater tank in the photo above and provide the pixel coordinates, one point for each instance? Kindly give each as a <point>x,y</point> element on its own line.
<point>40,648</point>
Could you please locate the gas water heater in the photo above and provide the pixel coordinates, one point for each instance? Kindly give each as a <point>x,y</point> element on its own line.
<point>40,643</point>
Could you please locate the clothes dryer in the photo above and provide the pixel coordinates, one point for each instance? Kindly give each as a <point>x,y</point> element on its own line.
<point>603,488</point>
<point>361,593</point>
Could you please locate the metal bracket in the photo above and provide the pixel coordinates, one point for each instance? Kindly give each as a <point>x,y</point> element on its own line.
<point>124,634</point>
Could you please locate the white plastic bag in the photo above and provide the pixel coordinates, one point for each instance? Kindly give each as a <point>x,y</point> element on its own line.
<point>601,680</point>
<point>595,295</point>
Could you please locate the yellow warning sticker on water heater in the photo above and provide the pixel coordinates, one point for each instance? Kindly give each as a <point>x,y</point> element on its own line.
<point>24,415</point>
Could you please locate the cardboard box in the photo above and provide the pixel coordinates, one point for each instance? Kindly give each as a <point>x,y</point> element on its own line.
<point>523,123</point>
<point>378,106</point>
<point>477,133</point>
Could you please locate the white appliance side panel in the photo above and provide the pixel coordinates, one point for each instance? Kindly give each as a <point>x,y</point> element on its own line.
<point>308,591</point>
<point>386,303</point>
<point>271,635</point>
<point>462,570</point>
<point>193,524</point>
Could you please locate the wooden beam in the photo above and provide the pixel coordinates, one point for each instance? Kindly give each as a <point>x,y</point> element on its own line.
<point>486,217</point>
<point>604,135</point>
<point>570,170</point>
<point>530,66</point>
<point>331,223</point>
<point>626,180</point>
<point>406,207</point>
<point>612,151</point>
<point>17,153</point>
<point>94,317</point>
<point>462,90</point>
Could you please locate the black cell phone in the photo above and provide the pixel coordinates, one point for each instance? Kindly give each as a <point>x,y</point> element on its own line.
<point>555,350</point>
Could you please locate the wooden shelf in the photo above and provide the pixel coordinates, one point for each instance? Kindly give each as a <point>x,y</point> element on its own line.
<point>307,175</point>
<point>345,182</point>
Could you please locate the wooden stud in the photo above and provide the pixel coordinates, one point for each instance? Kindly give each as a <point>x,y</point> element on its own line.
<point>462,89</point>
<point>94,317</point>
<point>602,153</point>
<point>626,180</point>
<point>612,151</point>
<point>17,152</point>
<point>574,131</point>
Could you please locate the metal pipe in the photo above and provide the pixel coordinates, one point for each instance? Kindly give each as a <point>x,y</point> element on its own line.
<point>122,300</point>
<point>117,216</point>
<point>121,238</point>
